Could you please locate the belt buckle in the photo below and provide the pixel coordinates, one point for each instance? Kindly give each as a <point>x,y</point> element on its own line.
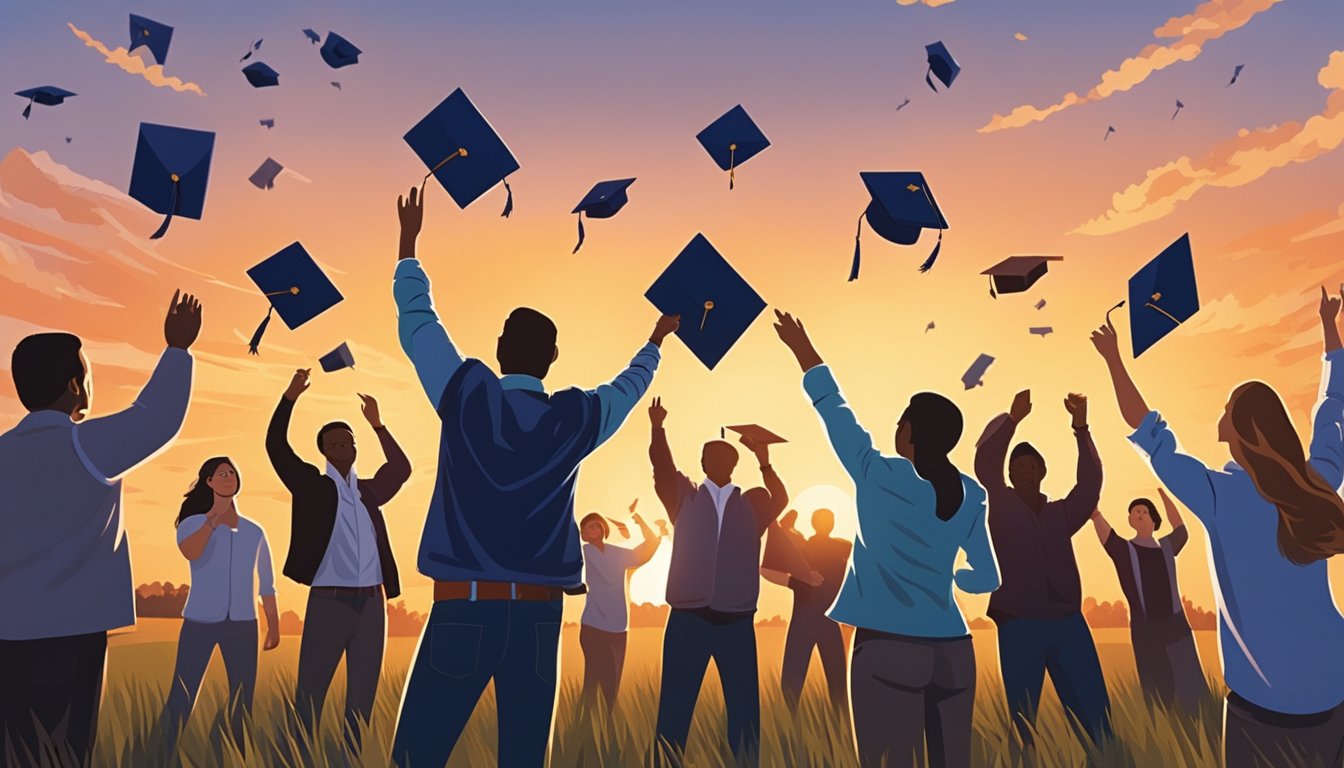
<point>472,597</point>
<point>513,590</point>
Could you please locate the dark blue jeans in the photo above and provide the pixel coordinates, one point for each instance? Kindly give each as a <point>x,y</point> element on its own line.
<point>690,641</point>
<point>464,646</point>
<point>1064,647</point>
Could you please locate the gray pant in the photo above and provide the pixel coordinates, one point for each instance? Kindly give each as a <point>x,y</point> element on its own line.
<point>1254,737</point>
<point>237,641</point>
<point>603,662</point>
<point>1168,663</point>
<point>904,690</point>
<point>809,630</point>
<point>336,625</point>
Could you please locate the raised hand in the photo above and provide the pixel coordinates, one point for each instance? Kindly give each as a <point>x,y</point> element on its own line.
<point>369,407</point>
<point>667,324</point>
<point>1076,405</point>
<point>1106,342</point>
<point>1330,304</point>
<point>411,212</point>
<point>657,413</point>
<point>1021,406</point>
<point>298,385</point>
<point>761,450</point>
<point>183,323</point>
<point>794,336</point>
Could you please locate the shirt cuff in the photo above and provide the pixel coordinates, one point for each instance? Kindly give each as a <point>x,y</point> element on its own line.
<point>650,348</point>
<point>819,382</point>
<point>407,267</point>
<point>1149,433</point>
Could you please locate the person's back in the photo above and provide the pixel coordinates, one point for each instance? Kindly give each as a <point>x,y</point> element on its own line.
<point>829,557</point>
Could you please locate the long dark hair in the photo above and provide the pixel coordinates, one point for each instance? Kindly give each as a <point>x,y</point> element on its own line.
<point>199,498</point>
<point>935,428</point>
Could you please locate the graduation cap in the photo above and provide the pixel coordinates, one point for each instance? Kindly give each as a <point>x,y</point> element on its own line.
<point>46,95</point>
<point>462,151</point>
<point>973,376</point>
<point>152,35</point>
<point>1109,130</point>
<point>941,65</point>
<point>1041,330</point>
<point>1179,107</point>
<point>254,47</point>
<point>902,204</point>
<point>620,527</point>
<point>268,122</point>
<point>930,327</point>
<point>339,52</point>
<point>601,202</point>
<point>715,303</point>
<point>68,139</point>
<point>1016,274</point>
<point>337,359</point>
<point>1162,295</point>
<point>1040,304</point>
<point>264,177</point>
<point>260,75</point>
<point>336,84</point>
<point>755,433</point>
<point>170,171</point>
<point>732,140</point>
<point>296,288</point>
<point>1235,74</point>
<point>312,36</point>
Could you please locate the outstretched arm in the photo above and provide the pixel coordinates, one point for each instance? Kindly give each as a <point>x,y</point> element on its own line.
<point>1082,499</point>
<point>644,552</point>
<point>423,337</point>
<point>671,485</point>
<point>768,502</point>
<point>617,397</point>
<point>1327,433</point>
<point>991,450</point>
<point>291,469</point>
<point>396,469</point>
<point>1102,527</point>
<point>1132,405</point>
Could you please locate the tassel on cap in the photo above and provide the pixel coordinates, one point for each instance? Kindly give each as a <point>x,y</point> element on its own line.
<point>854,267</point>
<point>580,245</point>
<point>28,110</point>
<point>992,294</point>
<point>508,203</point>
<point>256,337</point>
<point>172,209</point>
<point>929,80</point>
<point>732,164</point>
<point>933,256</point>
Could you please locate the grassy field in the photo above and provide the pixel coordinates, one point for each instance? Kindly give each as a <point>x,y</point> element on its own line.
<point>141,662</point>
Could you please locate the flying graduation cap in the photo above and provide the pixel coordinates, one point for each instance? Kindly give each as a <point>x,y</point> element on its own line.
<point>312,36</point>
<point>1016,274</point>
<point>1040,304</point>
<point>732,140</point>
<point>296,288</point>
<point>1109,130</point>
<point>1041,330</point>
<point>973,377</point>
<point>336,84</point>
<point>152,35</point>
<point>337,359</point>
<point>339,52</point>
<point>268,122</point>
<point>170,171</point>
<point>755,433</point>
<point>462,151</point>
<point>1179,107</point>
<point>264,177</point>
<point>46,95</point>
<point>1162,295</point>
<point>902,204</point>
<point>941,66</point>
<point>602,202</point>
<point>256,46</point>
<point>260,75</point>
<point>716,304</point>
<point>1235,74</point>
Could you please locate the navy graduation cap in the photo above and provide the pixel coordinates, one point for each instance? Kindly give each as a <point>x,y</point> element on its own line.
<point>47,95</point>
<point>902,204</point>
<point>602,202</point>
<point>152,35</point>
<point>170,171</point>
<point>1016,274</point>
<point>941,65</point>
<point>264,177</point>
<point>337,359</point>
<point>339,52</point>
<point>462,151</point>
<point>260,75</point>
<point>312,36</point>
<point>296,287</point>
<point>716,304</point>
<point>1162,295</point>
<point>732,140</point>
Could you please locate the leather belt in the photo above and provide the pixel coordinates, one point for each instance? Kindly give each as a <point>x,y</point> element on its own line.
<point>374,591</point>
<point>494,590</point>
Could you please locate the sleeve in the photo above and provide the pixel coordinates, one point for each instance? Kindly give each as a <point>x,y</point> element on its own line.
<point>982,574</point>
<point>1117,547</point>
<point>1179,538</point>
<point>670,484</point>
<point>292,470</point>
<point>189,526</point>
<point>628,556</point>
<point>1086,492</point>
<point>618,397</point>
<point>423,337</point>
<point>113,445</point>
<point>265,570</point>
<point>1327,424</point>
<point>768,502</point>
<point>991,451</point>
<point>850,441</point>
<point>396,470</point>
<point>1188,479</point>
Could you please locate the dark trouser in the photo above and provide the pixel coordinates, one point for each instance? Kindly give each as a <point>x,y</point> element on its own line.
<point>466,644</point>
<point>906,690</point>
<point>52,689</point>
<point>1254,737</point>
<point>691,640</point>
<point>808,630</point>
<point>237,641</point>
<point>603,662</point>
<point>1168,663</point>
<point>341,624</point>
<point>1064,647</point>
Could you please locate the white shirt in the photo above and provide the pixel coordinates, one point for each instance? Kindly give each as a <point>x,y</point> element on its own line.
<point>351,559</point>
<point>222,578</point>
<point>604,607</point>
<point>720,497</point>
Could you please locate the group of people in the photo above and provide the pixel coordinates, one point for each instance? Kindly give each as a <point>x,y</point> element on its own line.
<point>502,547</point>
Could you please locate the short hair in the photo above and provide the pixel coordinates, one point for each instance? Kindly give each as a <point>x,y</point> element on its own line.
<point>591,516</point>
<point>1152,510</point>
<point>527,343</point>
<point>331,426</point>
<point>1025,449</point>
<point>43,365</point>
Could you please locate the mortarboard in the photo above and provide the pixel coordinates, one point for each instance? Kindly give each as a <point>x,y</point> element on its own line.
<point>901,205</point>
<point>268,122</point>
<point>715,303</point>
<point>170,171</point>
<point>732,140</point>
<point>621,527</point>
<point>256,46</point>
<point>1179,107</point>
<point>930,327</point>
<point>339,52</point>
<point>601,202</point>
<point>1016,274</point>
<point>941,65</point>
<point>151,34</point>
<point>1040,330</point>
<point>264,177</point>
<point>757,434</point>
<point>1040,304</point>
<point>1235,74</point>
<point>336,84</point>
<point>296,288</point>
<point>312,36</point>
<point>974,375</point>
<point>462,151</point>
<point>260,75</point>
<point>68,139</point>
<point>1109,130</point>
<point>1162,295</point>
<point>47,95</point>
<point>337,359</point>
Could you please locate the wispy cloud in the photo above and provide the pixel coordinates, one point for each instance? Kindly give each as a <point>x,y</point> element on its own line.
<point>1210,21</point>
<point>136,66</point>
<point>930,3</point>
<point>1331,227</point>
<point>1233,163</point>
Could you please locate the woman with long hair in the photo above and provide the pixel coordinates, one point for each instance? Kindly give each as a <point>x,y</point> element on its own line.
<point>912,667</point>
<point>1273,516</point>
<point>230,565</point>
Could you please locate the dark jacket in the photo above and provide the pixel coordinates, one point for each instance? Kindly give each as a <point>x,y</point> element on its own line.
<point>313,510</point>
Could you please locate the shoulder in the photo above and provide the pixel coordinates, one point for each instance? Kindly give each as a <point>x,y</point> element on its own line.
<point>975,492</point>
<point>251,526</point>
<point>190,525</point>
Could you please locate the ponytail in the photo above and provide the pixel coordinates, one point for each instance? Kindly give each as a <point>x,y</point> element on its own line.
<point>935,428</point>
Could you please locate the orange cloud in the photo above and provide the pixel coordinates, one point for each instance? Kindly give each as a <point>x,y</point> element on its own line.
<point>1020,36</point>
<point>1233,163</point>
<point>1331,227</point>
<point>1209,21</point>
<point>136,66</point>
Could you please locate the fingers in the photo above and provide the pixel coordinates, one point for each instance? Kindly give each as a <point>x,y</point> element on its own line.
<point>172,305</point>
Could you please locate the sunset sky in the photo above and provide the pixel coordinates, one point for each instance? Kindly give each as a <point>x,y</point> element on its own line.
<point>1013,151</point>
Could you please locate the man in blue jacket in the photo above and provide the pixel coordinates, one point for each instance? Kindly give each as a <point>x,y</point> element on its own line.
<point>500,541</point>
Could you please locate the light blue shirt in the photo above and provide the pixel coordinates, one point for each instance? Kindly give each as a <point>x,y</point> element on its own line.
<point>900,573</point>
<point>1280,634</point>
<point>436,359</point>
<point>222,577</point>
<point>351,559</point>
<point>65,562</point>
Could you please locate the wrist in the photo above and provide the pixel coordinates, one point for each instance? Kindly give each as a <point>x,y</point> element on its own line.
<point>376,425</point>
<point>406,248</point>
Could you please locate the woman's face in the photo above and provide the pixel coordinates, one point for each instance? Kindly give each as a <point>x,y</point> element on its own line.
<point>224,482</point>
<point>594,532</point>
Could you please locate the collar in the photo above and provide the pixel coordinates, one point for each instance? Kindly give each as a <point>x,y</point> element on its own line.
<point>346,481</point>
<point>1232,466</point>
<point>716,490</point>
<point>45,418</point>
<point>522,381</point>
